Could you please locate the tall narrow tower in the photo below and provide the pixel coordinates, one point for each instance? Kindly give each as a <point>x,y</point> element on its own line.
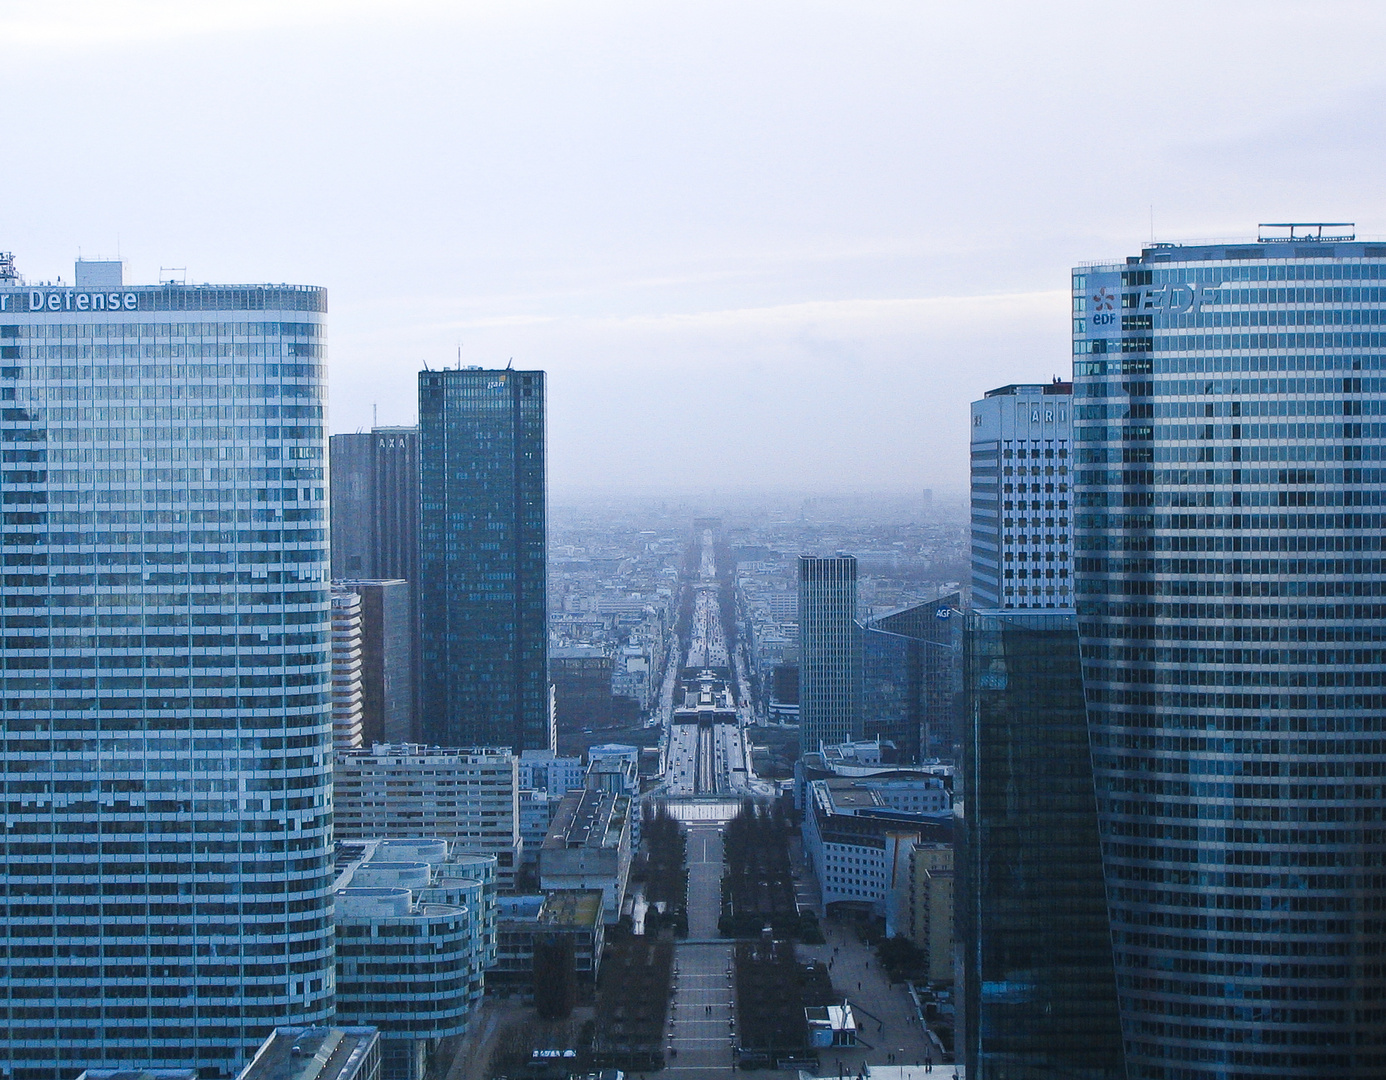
<point>483,592</point>
<point>1021,504</point>
<point>167,726</point>
<point>829,652</point>
<point>1228,559</point>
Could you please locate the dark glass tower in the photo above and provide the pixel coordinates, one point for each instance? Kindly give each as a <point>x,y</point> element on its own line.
<point>1039,995</point>
<point>829,652</point>
<point>483,551</point>
<point>912,678</point>
<point>1228,563</point>
<point>375,504</point>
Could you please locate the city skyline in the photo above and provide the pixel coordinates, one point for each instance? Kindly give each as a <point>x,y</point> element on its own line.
<point>835,212</point>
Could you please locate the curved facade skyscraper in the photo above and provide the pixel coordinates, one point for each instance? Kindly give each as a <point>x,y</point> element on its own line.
<point>1228,537</point>
<point>166,728</point>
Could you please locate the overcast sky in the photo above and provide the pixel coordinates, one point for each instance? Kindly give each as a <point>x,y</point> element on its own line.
<point>754,244</point>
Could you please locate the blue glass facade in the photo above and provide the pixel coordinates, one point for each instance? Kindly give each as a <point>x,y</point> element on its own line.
<point>1228,564</point>
<point>166,750</point>
<point>912,678</point>
<point>483,593</point>
<point>829,652</point>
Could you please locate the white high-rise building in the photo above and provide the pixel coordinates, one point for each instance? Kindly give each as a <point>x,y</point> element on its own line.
<point>167,733</point>
<point>347,696</point>
<point>469,797</point>
<point>1022,508</point>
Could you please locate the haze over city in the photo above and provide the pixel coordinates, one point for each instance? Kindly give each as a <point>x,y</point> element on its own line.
<point>776,245</point>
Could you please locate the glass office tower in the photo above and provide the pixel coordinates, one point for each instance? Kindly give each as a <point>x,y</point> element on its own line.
<point>829,652</point>
<point>911,678</point>
<point>1228,563</point>
<point>1038,991</point>
<point>167,741</point>
<point>483,591</point>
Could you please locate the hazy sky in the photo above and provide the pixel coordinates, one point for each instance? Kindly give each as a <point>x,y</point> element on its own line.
<point>755,244</point>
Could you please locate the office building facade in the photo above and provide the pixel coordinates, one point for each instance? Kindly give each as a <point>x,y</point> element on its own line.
<point>375,504</point>
<point>467,797</point>
<point>829,652</point>
<point>1228,547</point>
<point>1038,989</point>
<point>1021,504</point>
<point>387,659</point>
<point>911,670</point>
<point>483,586</point>
<point>167,677</point>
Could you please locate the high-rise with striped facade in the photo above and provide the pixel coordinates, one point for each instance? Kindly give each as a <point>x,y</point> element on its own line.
<point>1228,541</point>
<point>167,741</point>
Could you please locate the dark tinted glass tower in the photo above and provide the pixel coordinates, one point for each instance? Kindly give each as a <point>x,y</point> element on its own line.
<point>483,550</point>
<point>1228,561</point>
<point>829,652</point>
<point>1039,994</point>
<point>375,504</point>
<point>912,678</point>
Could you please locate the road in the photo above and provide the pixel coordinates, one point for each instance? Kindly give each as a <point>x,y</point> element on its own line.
<point>705,706</point>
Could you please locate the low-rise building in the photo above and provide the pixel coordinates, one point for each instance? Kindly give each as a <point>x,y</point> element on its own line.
<point>923,907</point>
<point>524,920</point>
<point>412,948</point>
<point>589,847</point>
<point>854,838</point>
<point>543,770</point>
<point>297,1053</point>
<point>468,797</point>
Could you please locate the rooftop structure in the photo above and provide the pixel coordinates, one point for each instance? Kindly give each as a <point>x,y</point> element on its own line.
<point>589,847</point>
<point>308,1053</point>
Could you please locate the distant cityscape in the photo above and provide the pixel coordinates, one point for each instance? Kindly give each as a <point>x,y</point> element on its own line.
<point>364,757</point>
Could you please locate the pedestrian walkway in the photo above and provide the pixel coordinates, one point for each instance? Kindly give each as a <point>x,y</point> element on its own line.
<point>700,1014</point>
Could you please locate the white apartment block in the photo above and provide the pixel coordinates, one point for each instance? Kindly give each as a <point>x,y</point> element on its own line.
<point>468,797</point>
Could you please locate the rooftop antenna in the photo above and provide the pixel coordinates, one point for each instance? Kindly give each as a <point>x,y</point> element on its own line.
<point>510,364</point>
<point>375,414</point>
<point>426,367</point>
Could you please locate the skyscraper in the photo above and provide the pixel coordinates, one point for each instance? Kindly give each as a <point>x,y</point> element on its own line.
<point>375,504</point>
<point>1021,505</point>
<point>829,652</point>
<point>483,592</point>
<point>346,669</point>
<point>1038,990</point>
<point>167,734</point>
<point>387,659</point>
<point>1229,578</point>
<point>375,537</point>
<point>911,672</point>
